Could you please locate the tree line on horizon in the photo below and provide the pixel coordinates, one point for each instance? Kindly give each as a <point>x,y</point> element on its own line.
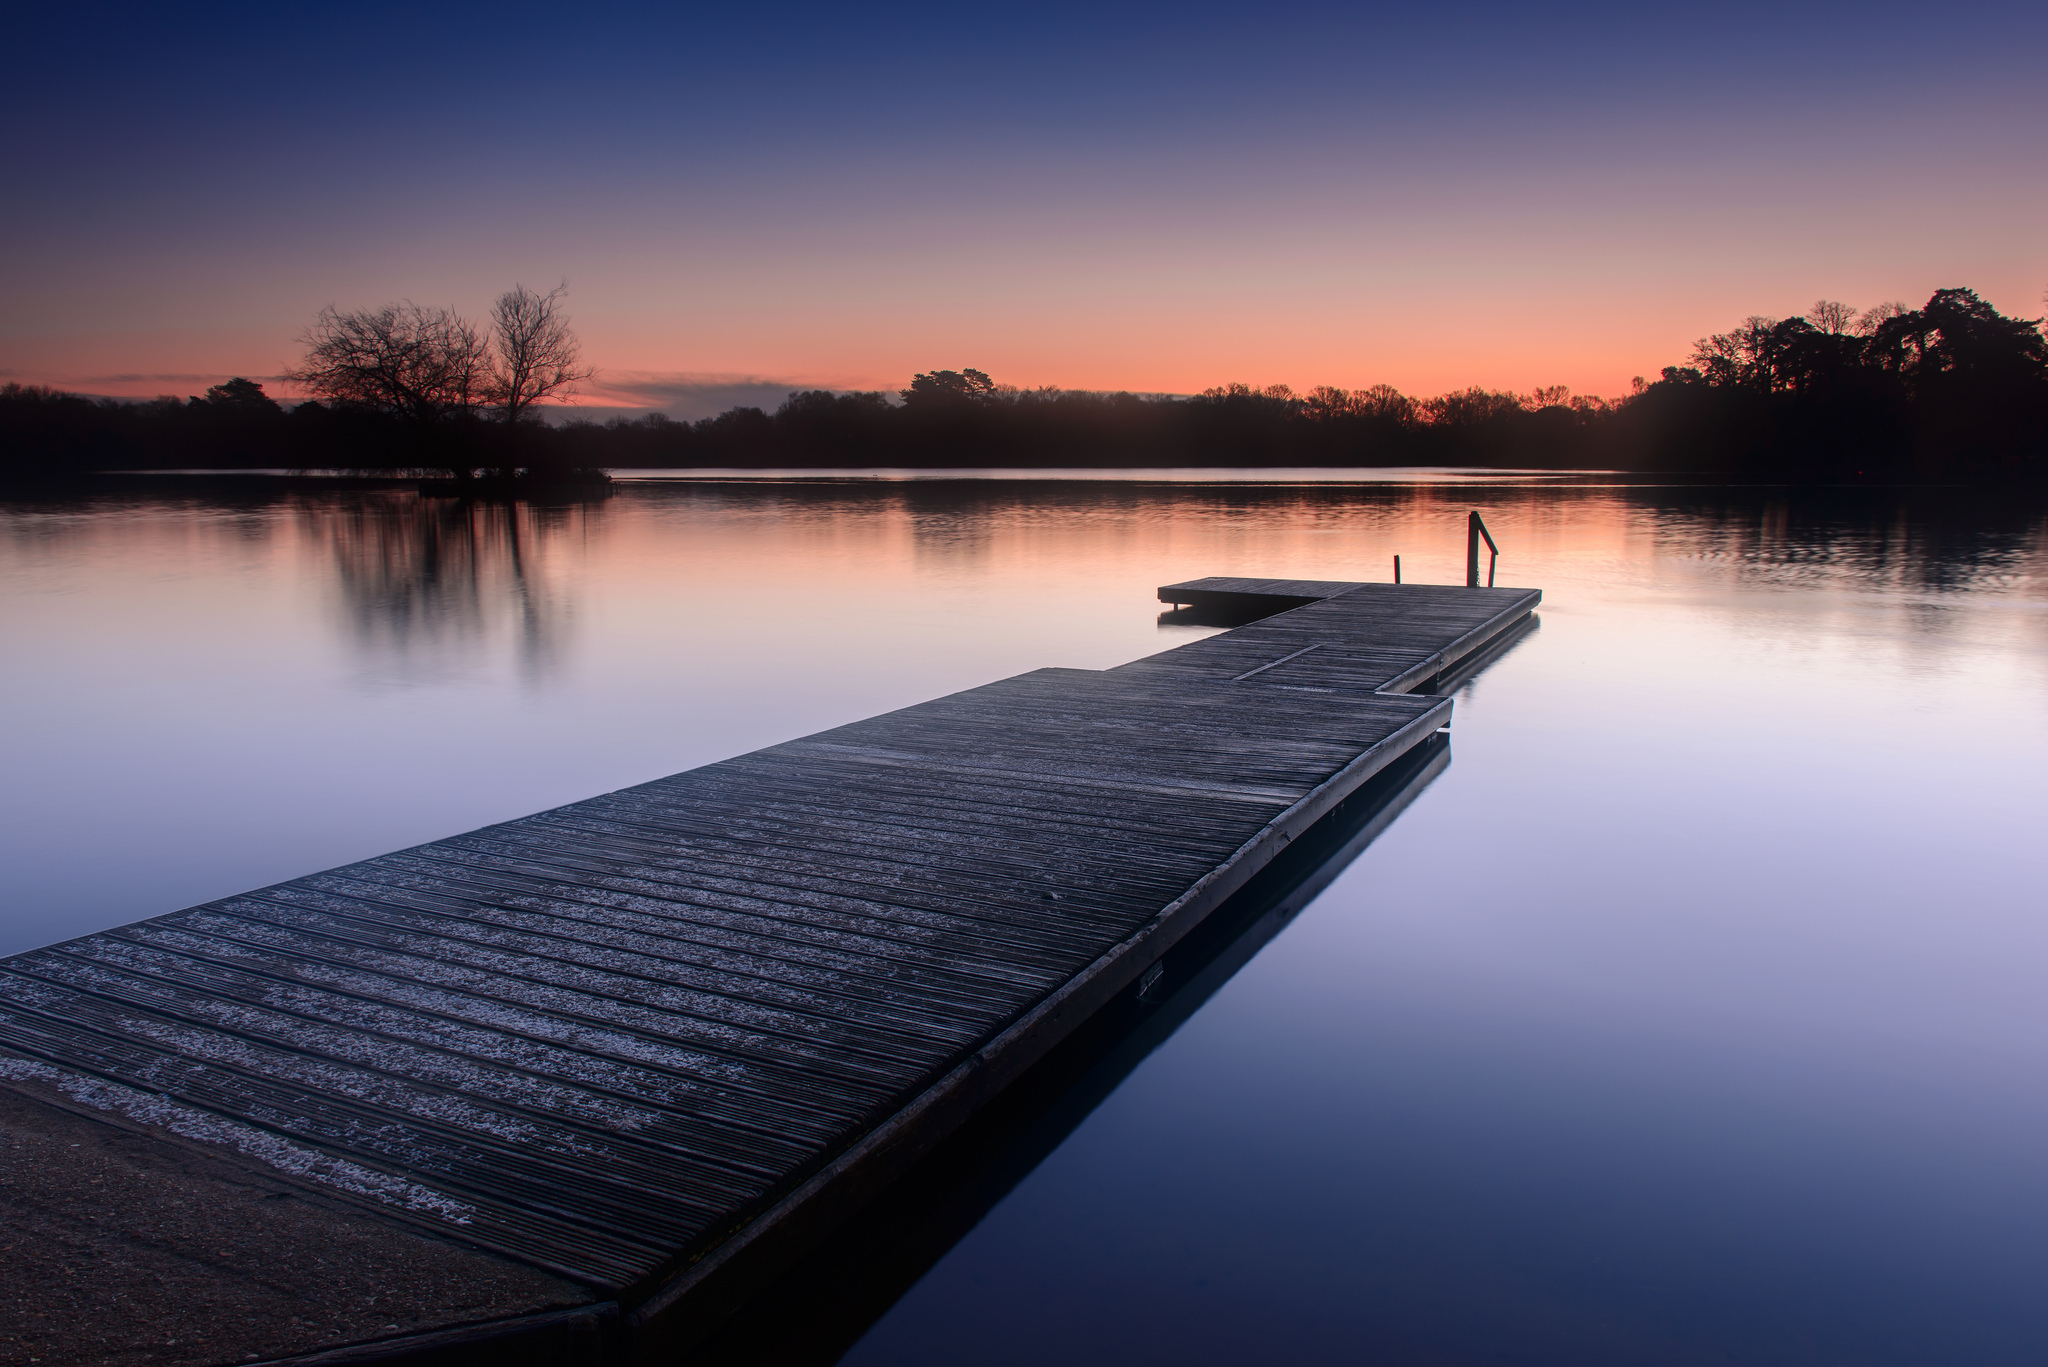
<point>401,387</point>
<point>1953,389</point>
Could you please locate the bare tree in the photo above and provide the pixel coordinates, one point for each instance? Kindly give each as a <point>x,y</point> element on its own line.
<point>1876,316</point>
<point>1831,317</point>
<point>1385,402</point>
<point>425,364</point>
<point>1735,357</point>
<point>536,357</point>
<point>1382,403</point>
<point>1325,402</point>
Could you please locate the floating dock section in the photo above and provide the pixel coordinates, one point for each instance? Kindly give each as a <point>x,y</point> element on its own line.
<point>651,1044</point>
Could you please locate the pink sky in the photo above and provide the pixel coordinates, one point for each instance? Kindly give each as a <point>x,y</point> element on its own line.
<point>1455,217</point>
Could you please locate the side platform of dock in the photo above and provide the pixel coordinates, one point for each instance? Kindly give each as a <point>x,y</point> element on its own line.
<point>643,1049</point>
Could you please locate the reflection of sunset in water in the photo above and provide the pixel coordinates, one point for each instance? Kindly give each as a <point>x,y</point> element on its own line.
<point>373,633</point>
<point>1722,922</point>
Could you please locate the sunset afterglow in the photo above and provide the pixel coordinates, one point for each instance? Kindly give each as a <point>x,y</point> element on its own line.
<point>1163,202</point>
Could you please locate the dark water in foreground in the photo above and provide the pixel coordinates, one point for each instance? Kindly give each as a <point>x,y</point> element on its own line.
<point>1693,1014</point>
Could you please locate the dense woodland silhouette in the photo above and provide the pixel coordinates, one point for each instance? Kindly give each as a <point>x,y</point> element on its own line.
<point>1951,390</point>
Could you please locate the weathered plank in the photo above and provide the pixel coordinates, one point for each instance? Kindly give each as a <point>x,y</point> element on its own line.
<point>1198,592</point>
<point>1368,638</point>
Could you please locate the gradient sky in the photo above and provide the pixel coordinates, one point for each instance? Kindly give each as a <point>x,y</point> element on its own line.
<point>1106,196</point>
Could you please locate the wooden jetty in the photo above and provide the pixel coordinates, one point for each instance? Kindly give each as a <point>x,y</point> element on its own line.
<point>824,1304</point>
<point>652,1045</point>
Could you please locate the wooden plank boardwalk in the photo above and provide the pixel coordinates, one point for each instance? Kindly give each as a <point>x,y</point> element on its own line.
<point>644,1040</point>
<point>1351,638</point>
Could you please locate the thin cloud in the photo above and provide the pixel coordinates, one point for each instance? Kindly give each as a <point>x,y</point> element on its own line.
<point>138,378</point>
<point>682,395</point>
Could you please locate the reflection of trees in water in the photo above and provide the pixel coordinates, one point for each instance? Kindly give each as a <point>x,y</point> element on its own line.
<point>431,584</point>
<point>1914,540</point>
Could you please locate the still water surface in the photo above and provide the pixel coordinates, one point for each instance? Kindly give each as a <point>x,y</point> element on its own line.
<point>1695,1014</point>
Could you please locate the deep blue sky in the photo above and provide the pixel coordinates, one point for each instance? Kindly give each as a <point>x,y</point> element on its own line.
<point>1158,197</point>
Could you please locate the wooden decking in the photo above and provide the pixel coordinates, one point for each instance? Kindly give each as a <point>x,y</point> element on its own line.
<point>640,1039</point>
<point>1239,595</point>
<point>1352,638</point>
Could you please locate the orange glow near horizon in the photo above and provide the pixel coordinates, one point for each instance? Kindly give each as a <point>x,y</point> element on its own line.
<point>1412,197</point>
<point>1419,341</point>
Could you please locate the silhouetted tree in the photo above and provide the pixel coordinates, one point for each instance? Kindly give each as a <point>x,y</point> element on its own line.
<point>1977,381</point>
<point>240,395</point>
<point>1959,334</point>
<point>429,367</point>
<point>1831,317</point>
<point>1952,388</point>
<point>1471,407</point>
<point>46,434</point>
<point>1737,357</point>
<point>1384,403</point>
<point>949,388</point>
<point>421,363</point>
<point>818,424</point>
<point>1874,317</point>
<point>741,436</point>
<point>236,425</point>
<point>534,357</point>
<point>408,361</point>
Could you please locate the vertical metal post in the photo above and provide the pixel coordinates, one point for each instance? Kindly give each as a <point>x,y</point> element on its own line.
<point>1474,530</point>
<point>1397,569</point>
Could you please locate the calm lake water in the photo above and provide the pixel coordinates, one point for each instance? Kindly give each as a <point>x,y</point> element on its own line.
<point>1695,1014</point>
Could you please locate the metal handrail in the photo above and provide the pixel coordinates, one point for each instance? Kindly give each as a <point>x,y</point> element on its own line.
<point>1475,528</point>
